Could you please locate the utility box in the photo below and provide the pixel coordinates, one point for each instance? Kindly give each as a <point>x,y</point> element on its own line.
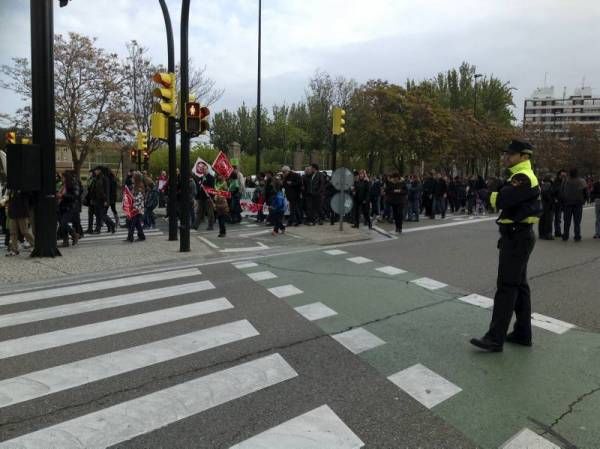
<point>24,165</point>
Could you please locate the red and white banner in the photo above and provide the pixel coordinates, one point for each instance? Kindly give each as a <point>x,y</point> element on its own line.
<point>211,191</point>
<point>222,165</point>
<point>201,167</point>
<point>128,208</point>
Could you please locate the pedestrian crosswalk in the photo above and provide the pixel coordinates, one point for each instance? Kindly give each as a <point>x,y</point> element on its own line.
<point>215,325</point>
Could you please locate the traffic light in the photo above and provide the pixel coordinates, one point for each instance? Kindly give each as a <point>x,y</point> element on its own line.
<point>196,121</point>
<point>338,121</point>
<point>142,141</point>
<point>165,93</point>
<point>11,137</point>
<point>133,156</point>
<point>165,107</point>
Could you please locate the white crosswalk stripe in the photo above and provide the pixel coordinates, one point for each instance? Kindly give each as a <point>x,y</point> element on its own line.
<point>16,298</point>
<point>139,416</point>
<point>63,377</point>
<point>47,313</point>
<point>48,340</point>
<point>102,426</point>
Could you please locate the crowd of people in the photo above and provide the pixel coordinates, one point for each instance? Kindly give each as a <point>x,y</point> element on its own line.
<point>303,197</point>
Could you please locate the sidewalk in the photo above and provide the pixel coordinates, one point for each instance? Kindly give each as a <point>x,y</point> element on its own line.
<point>115,256</point>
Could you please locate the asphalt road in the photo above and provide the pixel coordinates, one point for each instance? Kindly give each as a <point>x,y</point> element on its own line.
<point>564,276</point>
<point>222,355</point>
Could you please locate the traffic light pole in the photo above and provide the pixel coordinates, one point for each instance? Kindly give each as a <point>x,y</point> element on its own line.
<point>258,111</point>
<point>42,107</point>
<point>184,242</point>
<point>334,152</point>
<point>172,201</point>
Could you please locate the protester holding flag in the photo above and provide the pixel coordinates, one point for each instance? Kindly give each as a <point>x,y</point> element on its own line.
<point>133,206</point>
<point>206,181</point>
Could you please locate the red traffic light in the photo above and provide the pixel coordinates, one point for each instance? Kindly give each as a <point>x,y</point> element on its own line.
<point>204,112</point>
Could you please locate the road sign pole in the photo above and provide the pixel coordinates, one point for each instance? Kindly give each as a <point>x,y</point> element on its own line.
<point>342,208</point>
<point>184,241</point>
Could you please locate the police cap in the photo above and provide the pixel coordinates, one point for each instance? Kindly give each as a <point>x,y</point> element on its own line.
<point>517,146</point>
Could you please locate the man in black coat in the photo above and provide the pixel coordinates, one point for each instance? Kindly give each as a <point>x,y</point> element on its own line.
<point>361,195</point>
<point>315,188</point>
<point>292,183</point>
<point>99,199</point>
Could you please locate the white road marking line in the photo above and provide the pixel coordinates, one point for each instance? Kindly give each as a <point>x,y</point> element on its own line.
<point>445,225</point>
<point>284,291</point>
<point>47,313</point>
<point>478,300</point>
<point>527,439</point>
<point>208,242</point>
<point>359,260</point>
<point>315,311</point>
<point>424,385</point>
<point>429,284</point>
<point>252,234</point>
<point>262,276</point>
<point>55,339</point>
<point>390,270</point>
<point>320,428</point>
<point>251,225</point>
<point>335,252</point>
<point>52,380</point>
<point>358,340</point>
<point>550,324</point>
<point>260,247</point>
<point>242,265</point>
<point>382,231</point>
<point>142,415</point>
<point>95,286</point>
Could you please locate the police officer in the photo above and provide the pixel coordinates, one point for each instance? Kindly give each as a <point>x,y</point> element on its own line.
<point>519,203</point>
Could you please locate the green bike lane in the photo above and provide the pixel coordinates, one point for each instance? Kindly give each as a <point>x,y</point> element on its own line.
<point>553,389</point>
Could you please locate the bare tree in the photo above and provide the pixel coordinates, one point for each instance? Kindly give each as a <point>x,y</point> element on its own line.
<point>88,87</point>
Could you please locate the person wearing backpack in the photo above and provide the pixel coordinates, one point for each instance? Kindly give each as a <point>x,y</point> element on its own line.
<point>277,210</point>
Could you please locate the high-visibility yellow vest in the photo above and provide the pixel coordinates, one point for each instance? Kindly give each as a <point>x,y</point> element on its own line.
<point>523,168</point>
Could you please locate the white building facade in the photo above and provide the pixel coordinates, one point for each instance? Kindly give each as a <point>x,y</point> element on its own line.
<point>556,114</point>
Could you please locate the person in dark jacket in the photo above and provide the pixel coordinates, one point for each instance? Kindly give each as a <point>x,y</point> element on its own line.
<point>415,193</point>
<point>99,198</point>
<point>574,195</point>
<point>315,187</point>
<point>395,195</point>
<point>519,205</point>
<point>545,224</point>
<point>561,177</point>
<point>440,196</point>
<point>375,196</point>
<point>361,194</point>
<point>68,209</point>
<point>428,188</point>
<point>292,184</point>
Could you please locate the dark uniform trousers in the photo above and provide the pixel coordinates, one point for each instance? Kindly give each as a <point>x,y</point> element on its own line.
<point>516,244</point>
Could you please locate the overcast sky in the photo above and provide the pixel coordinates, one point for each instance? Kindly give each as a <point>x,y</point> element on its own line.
<point>521,41</point>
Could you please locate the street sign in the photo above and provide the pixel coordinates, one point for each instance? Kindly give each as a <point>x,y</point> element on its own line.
<point>342,179</point>
<point>341,201</point>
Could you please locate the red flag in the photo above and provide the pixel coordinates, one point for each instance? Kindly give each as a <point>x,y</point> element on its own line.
<point>211,191</point>
<point>128,202</point>
<point>222,165</point>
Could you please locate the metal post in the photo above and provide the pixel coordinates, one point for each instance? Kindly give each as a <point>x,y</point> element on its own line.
<point>184,243</point>
<point>172,201</point>
<point>258,111</point>
<point>334,153</point>
<point>42,107</point>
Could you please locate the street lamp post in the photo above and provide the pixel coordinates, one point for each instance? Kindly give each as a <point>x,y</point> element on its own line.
<point>258,90</point>
<point>184,241</point>
<point>477,75</point>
